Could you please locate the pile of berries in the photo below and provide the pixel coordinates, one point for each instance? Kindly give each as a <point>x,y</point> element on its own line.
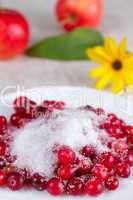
<point>89,172</point>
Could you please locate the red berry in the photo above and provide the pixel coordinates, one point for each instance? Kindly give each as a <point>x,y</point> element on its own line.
<point>14,33</point>
<point>128,130</point>
<point>129,158</point>
<point>88,150</point>
<point>115,131</point>
<point>3,148</point>
<point>100,171</point>
<point>2,163</point>
<point>66,155</point>
<point>60,105</point>
<point>25,174</point>
<point>93,187</point>
<point>17,121</point>
<point>2,178</point>
<point>120,146</point>
<point>15,181</point>
<point>65,172</point>
<point>112,183</point>
<point>112,117</point>
<point>84,166</point>
<point>107,159</point>
<point>123,170</point>
<point>39,182</point>
<point>55,187</point>
<point>74,186</point>
<point>3,121</point>
<point>3,129</point>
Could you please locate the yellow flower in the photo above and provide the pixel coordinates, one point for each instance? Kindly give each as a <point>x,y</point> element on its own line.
<point>115,65</point>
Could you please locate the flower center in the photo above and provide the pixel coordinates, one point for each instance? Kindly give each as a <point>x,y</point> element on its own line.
<point>117,65</point>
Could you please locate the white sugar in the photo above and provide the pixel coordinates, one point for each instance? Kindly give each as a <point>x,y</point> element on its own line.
<point>34,143</point>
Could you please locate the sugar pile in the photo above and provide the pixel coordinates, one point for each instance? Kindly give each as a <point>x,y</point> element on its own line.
<point>33,145</point>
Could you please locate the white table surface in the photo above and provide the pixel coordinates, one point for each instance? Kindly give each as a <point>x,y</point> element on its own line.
<point>28,72</point>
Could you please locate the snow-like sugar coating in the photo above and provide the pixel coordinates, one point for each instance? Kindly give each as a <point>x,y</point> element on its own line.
<point>34,143</point>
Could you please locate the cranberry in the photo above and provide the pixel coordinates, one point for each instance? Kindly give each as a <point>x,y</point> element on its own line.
<point>25,174</point>
<point>128,130</point>
<point>66,155</point>
<point>16,120</point>
<point>115,131</point>
<point>60,105</point>
<point>112,183</point>
<point>55,187</point>
<point>129,158</point>
<point>2,178</point>
<point>123,170</point>
<point>88,150</point>
<point>100,172</point>
<point>38,182</point>
<point>107,159</point>
<point>74,186</point>
<point>2,163</point>
<point>3,148</point>
<point>93,187</point>
<point>130,139</point>
<point>84,166</point>
<point>51,105</point>
<point>112,117</point>
<point>15,181</point>
<point>120,146</point>
<point>65,172</point>
<point>3,121</point>
<point>3,130</point>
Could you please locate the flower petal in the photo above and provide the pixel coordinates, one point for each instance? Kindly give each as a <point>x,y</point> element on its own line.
<point>117,84</point>
<point>98,54</point>
<point>104,81</point>
<point>98,72</point>
<point>123,48</point>
<point>128,74</point>
<point>128,63</point>
<point>111,47</point>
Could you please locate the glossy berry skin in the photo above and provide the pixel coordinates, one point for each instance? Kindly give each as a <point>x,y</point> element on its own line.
<point>14,31</point>
<point>120,146</point>
<point>107,159</point>
<point>39,182</point>
<point>15,181</point>
<point>3,148</point>
<point>129,158</point>
<point>65,172</point>
<point>55,187</point>
<point>123,170</point>
<point>88,151</point>
<point>52,105</point>
<point>2,178</point>
<point>79,13</point>
<point>3,121</point>
<point>112,183</point>
<point>83,166</point>
<point>16,120</point>
<point>74,186</point>
<point>93,187</point>
<point>100,172</point>
<point>66,155</point>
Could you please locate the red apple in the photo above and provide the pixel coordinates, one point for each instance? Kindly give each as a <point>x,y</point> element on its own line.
<point>77,13</point>
<point>14,33</point>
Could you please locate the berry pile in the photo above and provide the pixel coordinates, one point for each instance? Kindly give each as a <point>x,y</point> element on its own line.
<point>86,172</point>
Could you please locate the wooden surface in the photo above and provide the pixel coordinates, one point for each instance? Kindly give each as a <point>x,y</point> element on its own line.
<point>26,72</point>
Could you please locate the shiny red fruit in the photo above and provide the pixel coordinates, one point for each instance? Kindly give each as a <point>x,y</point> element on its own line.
<point>123,170</point>
<point>100,171</point>
<point>3,148</point>
<point>2,178</point>
<point>79,13</point>
<point>14,33</point>
<point>65,172</point>
<point>15,181</point>
<point>39,182</point>
<point>16,120</point>
<point>55,187</point>
<point>112,183</point>
<point>107,159</point>
<point>93,187</point>
<point>66,155</point>
<point>74,186</point>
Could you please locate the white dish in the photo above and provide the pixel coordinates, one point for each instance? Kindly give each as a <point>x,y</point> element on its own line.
<point>74,97</point>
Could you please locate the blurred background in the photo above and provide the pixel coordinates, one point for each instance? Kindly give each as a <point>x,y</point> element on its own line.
<point>34,72</point>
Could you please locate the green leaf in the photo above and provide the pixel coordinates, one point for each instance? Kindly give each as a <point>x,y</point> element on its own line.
<point>70,46</point>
